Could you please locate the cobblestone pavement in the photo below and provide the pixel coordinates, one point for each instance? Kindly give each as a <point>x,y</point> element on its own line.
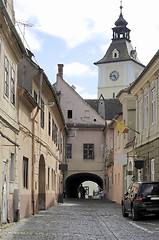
<point>82,219</point>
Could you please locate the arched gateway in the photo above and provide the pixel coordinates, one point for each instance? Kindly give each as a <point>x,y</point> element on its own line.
<point>72,182</point>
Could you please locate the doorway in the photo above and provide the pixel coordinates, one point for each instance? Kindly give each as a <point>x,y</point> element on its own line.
<point>41,194</point>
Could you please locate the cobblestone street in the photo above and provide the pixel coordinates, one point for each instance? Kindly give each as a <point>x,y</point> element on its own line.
<point>82,219</point>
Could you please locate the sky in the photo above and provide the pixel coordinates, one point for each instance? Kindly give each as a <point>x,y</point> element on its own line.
<point>78,33</point>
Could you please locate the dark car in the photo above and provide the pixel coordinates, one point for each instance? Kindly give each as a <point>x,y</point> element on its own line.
<point>141,198</point>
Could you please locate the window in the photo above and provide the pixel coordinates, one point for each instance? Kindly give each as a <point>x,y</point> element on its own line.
<point>49,124</point>
<point>69,113</point>
<point>25,172</point>
<point>13,86</point>
<point>12,167</point>
<point>42,113</point>
<point>153,94</point>
<point>35,96</point>
<point>115,53</point>
<point>140,115</point>
<point>54,132</point>
<point>53,129</point>
<point>6,78</point>
<point>69,150</point>
<point>88,151</point>
<point>146,111</point>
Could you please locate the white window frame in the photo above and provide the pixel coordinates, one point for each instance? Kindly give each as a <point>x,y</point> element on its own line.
<point>140,115</point>
<point>6,77</point>
<point>153,110</point>
<point>12,86</point>
<point>146,111</point>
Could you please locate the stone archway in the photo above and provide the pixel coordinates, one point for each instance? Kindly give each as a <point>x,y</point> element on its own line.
<point>72,182</point>
<point>41,187</point>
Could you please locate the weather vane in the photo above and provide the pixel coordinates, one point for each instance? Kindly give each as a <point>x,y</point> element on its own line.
<point>121,6</point>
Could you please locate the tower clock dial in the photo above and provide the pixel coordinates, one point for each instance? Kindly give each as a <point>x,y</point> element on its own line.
<point>114,75</point>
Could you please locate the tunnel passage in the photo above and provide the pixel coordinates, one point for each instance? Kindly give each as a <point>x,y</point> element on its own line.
<point>72,183</point>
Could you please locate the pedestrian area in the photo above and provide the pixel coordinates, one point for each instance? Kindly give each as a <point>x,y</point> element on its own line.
<point>80,219</point>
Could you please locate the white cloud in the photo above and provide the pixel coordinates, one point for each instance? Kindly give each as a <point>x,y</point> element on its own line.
<point>79,21</point>
<point>76,68</point>
<point>78,88</point>
<point>88,96</point>
<point>84,95</point>
<point>74,21</point>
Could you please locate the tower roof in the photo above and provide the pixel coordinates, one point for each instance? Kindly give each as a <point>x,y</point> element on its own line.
<point>121,44</point>
<point>125,50</point>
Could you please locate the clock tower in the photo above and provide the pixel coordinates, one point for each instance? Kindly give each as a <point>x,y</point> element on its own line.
<point>120,66</point>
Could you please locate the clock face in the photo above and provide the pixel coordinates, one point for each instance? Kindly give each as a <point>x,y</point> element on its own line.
<point>114,76</point>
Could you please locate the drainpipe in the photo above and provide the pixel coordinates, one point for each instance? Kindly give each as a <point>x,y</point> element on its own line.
<point>33,141</point>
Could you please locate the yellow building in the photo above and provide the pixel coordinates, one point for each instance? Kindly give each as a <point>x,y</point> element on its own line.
<point>41,138</point>
<point>11,51</point>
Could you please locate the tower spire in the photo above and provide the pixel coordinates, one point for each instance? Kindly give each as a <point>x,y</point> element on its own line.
<point>121,7</point>
<point>121,31</point>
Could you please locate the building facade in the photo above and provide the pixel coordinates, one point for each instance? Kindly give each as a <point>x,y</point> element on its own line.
<point>85,141</point>
<point>145,90</point>
<point>11,52</point>
<point>42,140</point>
<point>140,114</point>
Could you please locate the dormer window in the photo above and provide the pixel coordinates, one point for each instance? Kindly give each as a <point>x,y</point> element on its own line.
<point>115,53</point>
<point>69,113</point>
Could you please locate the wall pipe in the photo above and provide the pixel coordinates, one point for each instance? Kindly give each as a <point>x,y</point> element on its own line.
<point>33,141</point>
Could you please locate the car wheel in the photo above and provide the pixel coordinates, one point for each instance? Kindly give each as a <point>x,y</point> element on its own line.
<point>123,211</point>
<point>135,215</point>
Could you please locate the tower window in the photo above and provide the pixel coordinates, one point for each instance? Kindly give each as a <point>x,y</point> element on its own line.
<point>115,53</point>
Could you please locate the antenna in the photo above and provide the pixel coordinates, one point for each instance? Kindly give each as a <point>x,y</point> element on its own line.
<point>26,24</point>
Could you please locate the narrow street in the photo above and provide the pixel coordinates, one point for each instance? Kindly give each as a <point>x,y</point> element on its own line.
<point>82,219</point>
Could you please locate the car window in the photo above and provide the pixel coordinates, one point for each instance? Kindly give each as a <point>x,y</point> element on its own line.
<point>150,189</point>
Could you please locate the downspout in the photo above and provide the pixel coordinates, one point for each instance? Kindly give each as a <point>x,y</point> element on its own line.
<point>33,141</point>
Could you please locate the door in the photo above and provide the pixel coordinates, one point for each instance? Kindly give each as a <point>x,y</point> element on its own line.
<point>4,191</point>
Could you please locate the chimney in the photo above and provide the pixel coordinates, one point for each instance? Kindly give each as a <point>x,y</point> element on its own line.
<point>60,70</point>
